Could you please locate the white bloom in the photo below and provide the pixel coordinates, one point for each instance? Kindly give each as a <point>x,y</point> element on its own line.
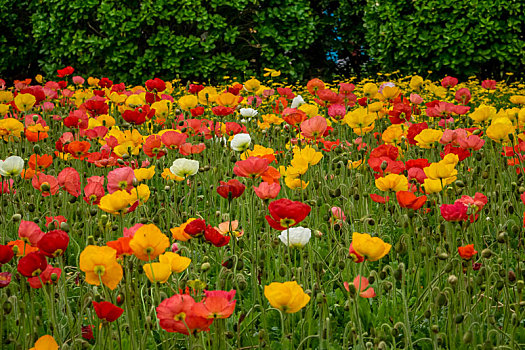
<point>297,101</point>
<point>11,166</point>
<point>297,237</point>
<point>248,112</point>
<point>241,142</point>
<point>184,167</point>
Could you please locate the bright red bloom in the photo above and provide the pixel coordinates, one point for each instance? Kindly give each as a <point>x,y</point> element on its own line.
<point>294,116</point>
<point>53,243</point>
<point>187,148</point>
<point>400,113</point>
<point>6,254</point>
<point>93,192</point>
<point>37,162</point>
<point>267,190</point>
<point>96,106</point>
<point>463,96</point>
<point>46,184</point>
<point>153,147</point>
<point>121,245</point>
<point>33,264</point>
<point>69,179</point>
<point>251,167</point>
<point>107,311</point>
<point>194,88</point>
<point>105,83</point>
<point>355,255</point>
<point>489,84</point>
<point>379,199</point>
<point>173,139</point>
<point>467,252</point>
<point>407,199</point>
<point>231,189</point>
<point>285,213</point>
<point>156,84</point>
<point>414,130</point>
<point>46,277</point>
<point>5,279</point>
<point>65,71</point>
<point>195,227</point>
<point>216,304</point>
<point>77,119</point>
<point>314,85</point>
<point>454,212</point>
<point>176,315</point>
<point>29,232</point>
<point>139,115</point>
<point>87,332</point>
<point>222,110</point>
<point>449,82</point>
<point>462,153</point>
<point>214,237</point>
<point>384,150</point>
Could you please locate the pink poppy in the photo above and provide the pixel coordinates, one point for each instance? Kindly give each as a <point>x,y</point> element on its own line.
<point>29,232</point>
<point>361,283</point>
<point>46,184</point>
<point>121,179</point>
<point>267,191</point>
<point>314,128</point>
<point>69,179</point>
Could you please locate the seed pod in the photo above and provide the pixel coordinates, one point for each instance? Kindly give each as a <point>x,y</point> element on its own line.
<point>459,318</point>
<point>486,253</point>
<point>452,280</point>
<point>441,299</point>
<point>434,328</point>
<point>427,314</point>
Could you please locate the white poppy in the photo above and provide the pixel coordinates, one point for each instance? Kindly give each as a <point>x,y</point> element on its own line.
<point>11,166</point>
<point>241,142</point>
<point>248,112</point>
<point>297,101</point>
<point>296,237</point>
<point>184,167</point>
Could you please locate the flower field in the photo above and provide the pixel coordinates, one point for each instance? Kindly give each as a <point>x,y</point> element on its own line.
<point>374,214</point>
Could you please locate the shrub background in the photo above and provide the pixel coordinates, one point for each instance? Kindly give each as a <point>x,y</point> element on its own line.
<point>203,40</point>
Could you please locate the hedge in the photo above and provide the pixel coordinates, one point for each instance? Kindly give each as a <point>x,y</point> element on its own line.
<point>203,40</point>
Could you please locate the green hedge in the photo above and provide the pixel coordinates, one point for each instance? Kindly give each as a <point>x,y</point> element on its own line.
<point>465,37</point>
<point>203,40</point>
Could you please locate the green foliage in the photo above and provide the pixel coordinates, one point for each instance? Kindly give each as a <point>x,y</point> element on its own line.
<point>448,37</point>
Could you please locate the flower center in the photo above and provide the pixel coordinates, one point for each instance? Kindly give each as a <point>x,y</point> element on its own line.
<point>99,270</point>
<point>287,222</point>
<point>180,317</point>
<point>123,185</point>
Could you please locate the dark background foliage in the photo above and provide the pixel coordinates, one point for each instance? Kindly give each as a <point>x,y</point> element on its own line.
<point>203,40</point>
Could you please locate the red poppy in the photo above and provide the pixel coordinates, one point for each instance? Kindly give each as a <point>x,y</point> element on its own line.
<point>294,116</point>
<point>407,199</point>
<point>187,148</point>
<point>156,84</point>
<point>400,113</point>
<point>139,115</point>
<point>78,149</point>
<point>64,72</point>
<point>107,311</point>
<point>105,83</point>
<point>6,254</point>
<point>153,147</point>
<point>95,106</point>
<point>216,304</point>
<point>49,276</point>
<point>195,228</point>
<point>379,199</point>
<point>467,252</point>
<point>214,237</point>
<point>355,255</point>
<point>5,279</point>
<point>93,192</point>
<point>87,332</point>
<point>454,212</point>
<point>69,179</point>
<point>222,111</point>
<point>53,243</point>
<point>414,130</point>
<point>251,167</point>
<point>32,265</point>
<point>173,139</point>
<point>195,88</point>
<point>231,189</point>
<point>121,245</point>
<point>285,213</point>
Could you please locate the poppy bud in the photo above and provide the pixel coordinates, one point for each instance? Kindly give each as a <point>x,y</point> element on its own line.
<point>16,217</point>
<point>520,285</point>
<point>387,286</point>
<point>485,175</point>
<point>441,299</point>
<point>502,237</point>
<point>434,328</point>
<point>205,267</point>
<point>427,314</point>
<point>499,285</point>
<point>467,337</point>
<point>7,307</point>
<point>452,280</point>
<point>512,276</point>
<point>486,253</point>
<point>91,240</point>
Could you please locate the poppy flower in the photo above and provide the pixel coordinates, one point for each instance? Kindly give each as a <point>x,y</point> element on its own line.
<point>157,272</point>
<point>231,189</point>
<point>6,254</point>
<point>121,245</point>
<point>454,212</point>
<point>407,199</point>
<point>175,261</point>
<point>467,252</point>
<point>176,315</point>
<point>361,283</point>
<point>372,248</point>
<point>107,311</point>
<point>285,213</point>
<point>30,232</point>
<point>53,243</point>
<point>49,276</point>
<point>288,296</point>
<point>314,128</point>
<point>267,190</point>
<point>87,332</point>
<point>45,342</point>
<point>33,264</point>
<point>153,147</point>
<point>216,304</point>
<point>214,237</point>
<point>356,257</point>
<point>55,220</point>
<point>5,279</point>
<point>120,179</point>
<point>93,192</point>
<point>46,184</point>
<point>11,166</point>
<point>149,242</point>
<point>119,202</point>
<point>37,162</point>
<point>64,72</point>
<point>156,84</point>
<point>252,167</point>
<point>195,227</point>
<point>69,179</point>
<point>173,139</point>
<point>379,199</point>
<point>100,264</point>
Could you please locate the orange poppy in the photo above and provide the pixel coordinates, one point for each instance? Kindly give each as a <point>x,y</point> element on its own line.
<point>37,162</point>
<point>271,175</point>
<point>78,149</point>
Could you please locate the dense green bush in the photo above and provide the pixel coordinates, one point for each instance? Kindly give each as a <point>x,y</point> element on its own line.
<point>205,39</point>
<point>463,38</point>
